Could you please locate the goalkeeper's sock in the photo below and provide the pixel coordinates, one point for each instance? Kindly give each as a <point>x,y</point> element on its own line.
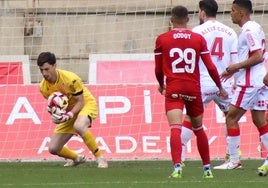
<point>67,153</point>
<point>91,143</point>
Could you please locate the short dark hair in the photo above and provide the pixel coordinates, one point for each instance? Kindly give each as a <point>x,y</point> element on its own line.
<point>209,6</point>
<point>46,57</point>
<point>179,13</point>
<point>245,4</point>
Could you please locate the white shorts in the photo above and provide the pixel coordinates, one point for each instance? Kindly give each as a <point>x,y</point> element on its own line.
<point>211,93</point>
<point>250,98</point>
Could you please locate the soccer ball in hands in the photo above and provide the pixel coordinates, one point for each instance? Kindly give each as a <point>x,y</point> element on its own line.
<point>57,103</point>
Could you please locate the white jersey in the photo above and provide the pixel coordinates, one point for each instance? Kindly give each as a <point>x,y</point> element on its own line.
<point>251,38</point>
<point>222,43</point>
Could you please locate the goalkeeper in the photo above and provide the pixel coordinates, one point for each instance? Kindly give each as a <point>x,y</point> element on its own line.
<point>80,113</point>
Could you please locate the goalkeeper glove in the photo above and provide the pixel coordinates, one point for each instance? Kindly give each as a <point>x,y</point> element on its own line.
<point>55,110</point>
<point>62,118</point>
<point>52,109</point>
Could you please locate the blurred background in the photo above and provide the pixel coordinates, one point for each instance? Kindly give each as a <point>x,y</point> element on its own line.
<point>73,29</point>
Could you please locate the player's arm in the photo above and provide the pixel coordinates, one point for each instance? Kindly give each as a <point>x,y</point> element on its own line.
<point>255,58</point>
<point>77,88</point>
<point>265,79</point>
<point>77,93</point>
<point>158,66</point>
<point>159,73</point>
<point>255,51</point>
<point>79,98</point>
<point>227,75</point>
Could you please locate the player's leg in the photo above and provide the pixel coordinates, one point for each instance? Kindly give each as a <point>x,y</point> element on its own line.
<point>208,94</point>
<point>81,125</point>
<point>259,120</point>
<point>56,146</point>
<point>266,113</point>
<point>263,131</point>
<point>232,138</point>
<point>195,111</point>
<point>224,105</point>
<point>62,134</point>
<point>202,144</point>
<point>263,169</point>
<point>237,109</point>
<point>186,134</point>
<point>174,119</point>
<point>174,109</point>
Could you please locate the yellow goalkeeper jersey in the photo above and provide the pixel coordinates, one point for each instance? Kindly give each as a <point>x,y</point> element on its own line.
<point>71,85</point>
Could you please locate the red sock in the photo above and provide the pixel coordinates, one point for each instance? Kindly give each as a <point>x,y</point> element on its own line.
<point>187,124</point>
<point>202,145</point>
<point>175,143</point>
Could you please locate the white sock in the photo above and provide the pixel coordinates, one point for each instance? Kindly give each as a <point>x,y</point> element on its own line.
<point>206,167</point>
<point>266,161</point>
<point>225,133</point>
<point>233,147</point>
<point>264,140</point>
<point>186,135</point>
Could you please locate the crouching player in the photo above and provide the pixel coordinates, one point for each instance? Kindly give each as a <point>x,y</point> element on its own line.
<point>82,109</point>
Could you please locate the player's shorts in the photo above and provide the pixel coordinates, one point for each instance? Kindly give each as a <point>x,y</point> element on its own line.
<point>90,110</point>
<point>192,102</point>
<point>250,98</point>
<point>211,93</point>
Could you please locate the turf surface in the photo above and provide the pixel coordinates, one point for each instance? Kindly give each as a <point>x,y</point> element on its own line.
<point>126,174</point>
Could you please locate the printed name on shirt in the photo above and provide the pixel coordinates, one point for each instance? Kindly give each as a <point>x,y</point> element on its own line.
<point>214,28</point>
<point>181,36</point>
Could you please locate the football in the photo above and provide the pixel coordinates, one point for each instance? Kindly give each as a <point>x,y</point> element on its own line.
<point>57,103</point>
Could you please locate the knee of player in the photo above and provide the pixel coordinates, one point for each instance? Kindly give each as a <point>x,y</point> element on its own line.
<point>259,122</point>
<point>53,150</point>
<point>80,128</point>
<point>231,120</point>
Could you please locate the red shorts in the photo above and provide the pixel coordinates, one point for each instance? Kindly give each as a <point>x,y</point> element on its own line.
<point>189,98</point>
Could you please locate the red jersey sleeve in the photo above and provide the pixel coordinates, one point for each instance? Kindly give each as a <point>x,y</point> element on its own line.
<point>158,63</point>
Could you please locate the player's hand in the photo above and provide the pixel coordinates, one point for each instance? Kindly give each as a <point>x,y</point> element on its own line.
<point>229,71</point>
<point>54,110</point>
<point>265,79</point>
<point>233,68</point>
<point>223,93</point>
<point>162,90</point>
<point>56,118</point>
<point>225,76</point>
<point>49,109</point>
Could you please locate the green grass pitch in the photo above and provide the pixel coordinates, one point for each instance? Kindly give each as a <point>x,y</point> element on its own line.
<point>126,174</point>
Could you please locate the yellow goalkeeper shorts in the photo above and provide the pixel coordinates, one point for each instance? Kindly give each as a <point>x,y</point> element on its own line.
<point>90,110</point>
